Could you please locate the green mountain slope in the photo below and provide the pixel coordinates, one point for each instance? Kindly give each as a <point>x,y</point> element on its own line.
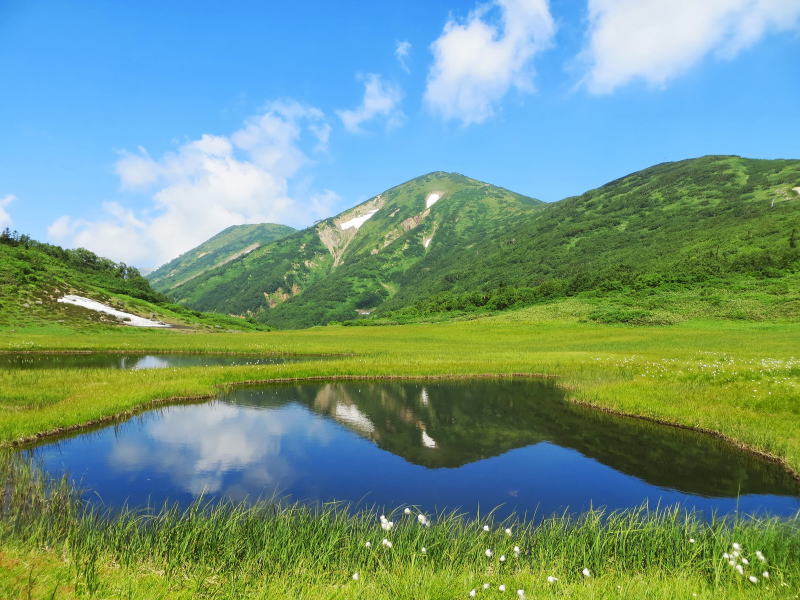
<point>715,218</point>
<point>228,245</point>
<point>354,261</point>
<point>34,276</point>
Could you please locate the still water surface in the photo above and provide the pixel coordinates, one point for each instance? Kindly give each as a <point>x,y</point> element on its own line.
<point>101,360</point>
<point>440,445</point>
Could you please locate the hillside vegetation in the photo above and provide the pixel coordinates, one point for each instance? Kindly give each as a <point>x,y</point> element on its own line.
<point>227,245</point>
<point>34,275</point>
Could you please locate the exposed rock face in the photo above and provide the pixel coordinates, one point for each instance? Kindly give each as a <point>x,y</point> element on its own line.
<point>337,239</point>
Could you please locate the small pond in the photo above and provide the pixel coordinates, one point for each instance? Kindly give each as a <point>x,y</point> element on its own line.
<point>437,445</point>
<point>107,360</point>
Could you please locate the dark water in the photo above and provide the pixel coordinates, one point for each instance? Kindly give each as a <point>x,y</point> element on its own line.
<point>438,445</point>
<point>132,361</point>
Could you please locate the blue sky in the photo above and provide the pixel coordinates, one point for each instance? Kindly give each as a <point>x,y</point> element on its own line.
<point>140,129</point>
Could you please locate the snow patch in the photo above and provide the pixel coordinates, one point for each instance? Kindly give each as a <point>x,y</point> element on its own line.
<point>358,221</point>
<point>432,199</point>
<point>349,414</point>
<point>427,440</point>
<point>126,318</point>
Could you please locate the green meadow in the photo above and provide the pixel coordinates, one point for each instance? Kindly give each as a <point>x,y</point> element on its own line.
<point>736,379</point>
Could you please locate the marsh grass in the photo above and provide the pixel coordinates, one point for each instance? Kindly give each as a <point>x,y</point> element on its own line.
<point>54,541</point>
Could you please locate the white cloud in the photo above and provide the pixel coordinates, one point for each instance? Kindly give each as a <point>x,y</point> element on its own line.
<point>381,99</point>
<point>5,218</point>
<point>477,62</point>
<point>657,40</point>
<point>401,50</point>
<point>206,185</point>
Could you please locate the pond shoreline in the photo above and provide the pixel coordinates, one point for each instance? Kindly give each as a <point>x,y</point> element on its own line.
<point>199,398</point>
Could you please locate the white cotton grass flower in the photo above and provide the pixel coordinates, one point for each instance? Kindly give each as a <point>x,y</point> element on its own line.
<point>489,553</point>
<point>726,556</point>
<point>732,563</point>
<point>753,579</point>
<point>765,574</point>
<point>551,579</point>
<point>473,592</point>
<point>486,586</point>
<point>736,546</point>
<point>407,511</point>
<point>517,551</point>
<point>739,569</point>
<point>355,576</point>
<point>586,572</point>
<point>387,525</point>
<point>424,550</point>
<point>745,561</point>
<point>521,594</point>
<point>486,528</point>
<point>423,520</point>
<point>508,531</point>
<point>386,543</point>
<point>368,545</point>
<point>502,587</point>
<point>692,540</point>
<point>760,556</point>
<point>502,558</point>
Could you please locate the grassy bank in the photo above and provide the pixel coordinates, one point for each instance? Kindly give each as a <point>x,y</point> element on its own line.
<point>53,548</point>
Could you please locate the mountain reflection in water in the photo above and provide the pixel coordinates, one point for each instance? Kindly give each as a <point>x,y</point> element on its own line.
<point>435,444</point>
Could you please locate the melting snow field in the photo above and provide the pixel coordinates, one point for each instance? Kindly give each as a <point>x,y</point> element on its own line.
<point>126,318</point>
<point>358,221</point>
<point>432,198</point>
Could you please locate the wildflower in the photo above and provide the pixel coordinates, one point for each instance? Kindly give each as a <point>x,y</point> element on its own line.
<point>739,569</point>
<point>753,579</point>
<point>386,543</point>
<point>486,528</point>
<point>407,511</point>
<point>726,556</point>
<point>516,551</point>
<point>368,544</point>
<point>692,540</point>
<point>387,525</point>
<point>745,561</point>
<point>551,579</point>
<point>473,592</point>
<point>508,530</point>
<point>586,572</point>
<point>736,546</point>
<point>760,556</point>
<point>424,550</point>
<point>486,586</point>
<point>521,594</point>
<point>423,520</point>
<point>765,574</point>
<point>488,553</point>
<point>732,563</point>
<point>502,587</point>
<point>355,576</point>
<point>502,558</point>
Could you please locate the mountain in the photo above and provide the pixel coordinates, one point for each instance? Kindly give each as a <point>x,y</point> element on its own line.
<point>227,245</point>
<point>353,262</point>
<point>36,278</point>
<point>718,229</point>
<point>675,224</point>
